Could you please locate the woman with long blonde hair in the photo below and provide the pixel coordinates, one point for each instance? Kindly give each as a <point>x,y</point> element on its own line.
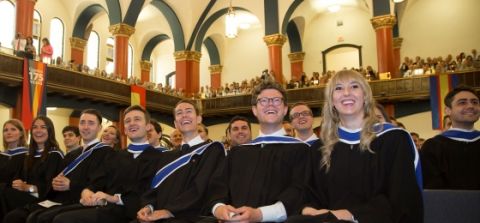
<point>365,171</point>
<point>13,156</point>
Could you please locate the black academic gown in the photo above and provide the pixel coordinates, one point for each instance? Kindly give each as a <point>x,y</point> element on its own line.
<point>10,166</point>
<point>184,193</point>
<point>124,175</point>
<point>257,175</point>
<point>451,163</point>
<point>40,174</point>
<point>378,187</point>
<point>84,174</point>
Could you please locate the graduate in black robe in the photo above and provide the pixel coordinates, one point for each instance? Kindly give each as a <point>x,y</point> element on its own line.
<point>127,174</point>
<point>41,165</point>
<point>179,190</point>
<point>451,160</point>
<point>13,157</point>
<point>264,180</point>
<point>366,171</point>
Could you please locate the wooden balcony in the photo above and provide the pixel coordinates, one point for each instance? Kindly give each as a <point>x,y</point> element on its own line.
<point>80,86</point>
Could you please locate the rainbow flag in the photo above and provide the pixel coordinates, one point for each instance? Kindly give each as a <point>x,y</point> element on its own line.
<point>440,85</point>
<point>34,91</point>
<point>138,96</point>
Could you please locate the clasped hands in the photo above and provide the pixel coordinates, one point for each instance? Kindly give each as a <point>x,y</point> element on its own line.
<point>227,213</point>
<point>89,198</point>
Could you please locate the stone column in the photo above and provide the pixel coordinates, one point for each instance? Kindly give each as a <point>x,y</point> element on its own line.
<point>121,32</point>
<point>77,46</point>
<point>383,29</point>
<point>397,45</point>
<point>296,64</point>
<point>146,66</point>
<point>215,76</point>
<point>275,43</point>
<point>187,74</point>
<point>24,16</point>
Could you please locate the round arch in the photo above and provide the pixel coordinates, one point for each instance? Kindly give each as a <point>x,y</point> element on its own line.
<point>84,19</point>
<point>173,22</point>
<point>151,44</point>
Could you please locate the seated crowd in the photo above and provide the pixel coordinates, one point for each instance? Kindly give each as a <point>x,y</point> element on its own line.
<point>356,167</point>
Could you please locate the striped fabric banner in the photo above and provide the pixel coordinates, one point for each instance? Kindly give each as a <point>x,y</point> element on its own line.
<point>440,85</point>
<point>34,91</point>
<point>138,96</point>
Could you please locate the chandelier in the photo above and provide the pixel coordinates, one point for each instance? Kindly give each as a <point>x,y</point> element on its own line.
<point>231,24</point>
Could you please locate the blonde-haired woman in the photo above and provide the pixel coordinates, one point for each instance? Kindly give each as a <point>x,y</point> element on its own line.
<point>13,156</point>
<point>365,171</point>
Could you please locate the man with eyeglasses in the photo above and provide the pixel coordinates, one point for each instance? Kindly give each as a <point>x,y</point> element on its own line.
<point>301,117</point>
<point>263,181</point>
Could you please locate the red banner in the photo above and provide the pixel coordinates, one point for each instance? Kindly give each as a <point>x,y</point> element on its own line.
<point>34,91</point>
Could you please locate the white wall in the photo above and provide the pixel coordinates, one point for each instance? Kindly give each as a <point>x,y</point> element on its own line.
<point>322,32</point>
<point>440,27</point>
<point>164,62</point>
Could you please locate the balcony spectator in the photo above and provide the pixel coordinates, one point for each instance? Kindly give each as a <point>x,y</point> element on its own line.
<point>30,51</point>
<point>46,52</point>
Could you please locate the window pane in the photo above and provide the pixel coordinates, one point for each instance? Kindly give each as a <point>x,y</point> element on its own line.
<point>7,24</point>
<point>130,60</point>
<point>56,37</point>
<point>37,30</point>
<point>92,50</point>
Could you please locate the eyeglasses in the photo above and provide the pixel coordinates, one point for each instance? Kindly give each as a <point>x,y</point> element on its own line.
<point>276,101</point>
<point>303,114</point>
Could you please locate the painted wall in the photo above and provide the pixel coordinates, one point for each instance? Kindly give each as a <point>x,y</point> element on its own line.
<point>322,32</point>
<point>440,27</point>
<point>164,62</point>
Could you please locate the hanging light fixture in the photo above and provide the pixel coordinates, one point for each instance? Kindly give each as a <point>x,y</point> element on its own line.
<point>397,1</point>
<point>231,24</point>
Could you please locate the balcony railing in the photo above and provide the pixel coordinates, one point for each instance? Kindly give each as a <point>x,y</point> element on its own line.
<point>83,86</point>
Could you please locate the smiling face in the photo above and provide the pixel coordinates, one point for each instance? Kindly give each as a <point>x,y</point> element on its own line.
<point>136,126</point>
<point>348,99</point>
<point>270,107</point>
<point>109,136</point>
<point>39,132</point>
<point>301,118</point>
<point>465,110</point>
<point>186,119</point>
<point>240,133</point>
<point>89,127</point>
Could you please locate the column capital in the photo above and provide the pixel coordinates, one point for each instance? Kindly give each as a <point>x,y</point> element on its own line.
<point>187,55</point>
<point>216,68</point>
<point>397,42</point>
<point>275,39</point>
<point>297,56</point>
<point>383,21</point>
<point>121,29</point>
<point>145,65</point>
<point>78,43</point>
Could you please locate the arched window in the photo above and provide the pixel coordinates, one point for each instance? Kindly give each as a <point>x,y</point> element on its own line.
<point>92,50</point>
<point>130,60</point>
<point>36,30</point>
<point>7,10</point>
<point>109,65</point>
<point>56,37</point>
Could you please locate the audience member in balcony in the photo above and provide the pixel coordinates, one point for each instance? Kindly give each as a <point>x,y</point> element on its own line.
<point>112,137</point>
<point>30,51</point>
<point>304,80</point>
<point>315,80</point>
<point>19,45</point>
<point>176,138</point>
<point>360,151</point>
<point>14,151</point>
<point>46,52</point>
<point>451,160</point>
<point>467,64</point>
